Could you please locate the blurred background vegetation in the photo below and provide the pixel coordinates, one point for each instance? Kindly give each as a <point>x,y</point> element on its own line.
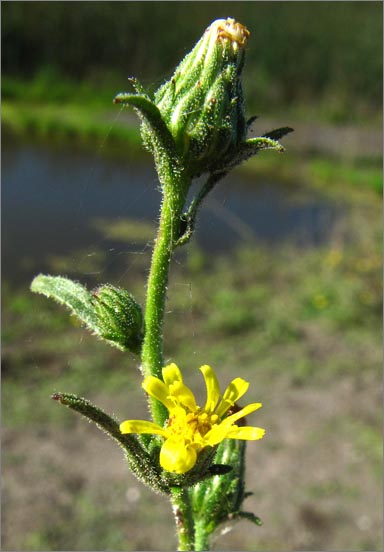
<point>297,258</point>
<point>301,55</point>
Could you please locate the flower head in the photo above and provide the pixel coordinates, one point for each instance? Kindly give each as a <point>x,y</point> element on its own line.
<point>190,428</point>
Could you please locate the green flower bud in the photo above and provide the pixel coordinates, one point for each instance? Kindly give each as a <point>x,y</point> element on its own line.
<point>119,316</point>
<point>195,123</point>
<point>202,104</point>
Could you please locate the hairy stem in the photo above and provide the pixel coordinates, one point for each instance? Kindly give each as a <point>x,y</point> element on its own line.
<point>202,536</point>
<point>175,188</point>
<point>183,517</point>
<point>190,215</point>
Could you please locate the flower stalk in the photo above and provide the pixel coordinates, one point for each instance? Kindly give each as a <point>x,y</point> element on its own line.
<point>168,231</point>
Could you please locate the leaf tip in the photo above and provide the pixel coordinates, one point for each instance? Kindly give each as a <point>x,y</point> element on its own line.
<point>56,397</point>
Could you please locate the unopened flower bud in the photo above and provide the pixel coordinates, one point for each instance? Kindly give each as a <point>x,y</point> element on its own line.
<point>120,317</point>
<point>202,104</point>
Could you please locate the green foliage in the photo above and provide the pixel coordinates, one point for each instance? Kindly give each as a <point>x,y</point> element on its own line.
<point>71,294</point>
<point>92,522</point>
<point>156,135</point>
<point>64,123</point>
<point>363,174</point>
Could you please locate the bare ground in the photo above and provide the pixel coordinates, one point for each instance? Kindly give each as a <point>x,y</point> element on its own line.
<point>309,476</point>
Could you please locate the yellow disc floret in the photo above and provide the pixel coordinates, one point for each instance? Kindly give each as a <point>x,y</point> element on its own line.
<point>232,30</point>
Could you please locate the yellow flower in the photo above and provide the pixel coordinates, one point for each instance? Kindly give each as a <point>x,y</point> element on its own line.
<point>190,427</point>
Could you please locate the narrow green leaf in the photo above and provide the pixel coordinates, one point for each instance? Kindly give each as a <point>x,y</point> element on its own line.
<point>139,461</point>
<point>253,145</point>
<point>189,217</point>
<point>250,517</point>
<point>151,115</point>
<point>70,294</point>
<point>139,88</point>
<point>93,413</point>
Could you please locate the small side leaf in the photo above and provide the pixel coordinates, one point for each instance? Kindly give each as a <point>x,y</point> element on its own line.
<point>253,145</point>
<point>139,88</point>
<point>250,517</point>
<point>188,218</point>
<point>151,116</point>
<point>70,294</point>
<point>139,461</point>
<point>251,120</point>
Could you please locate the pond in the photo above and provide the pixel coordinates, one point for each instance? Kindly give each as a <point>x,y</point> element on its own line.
<point>52,198</point>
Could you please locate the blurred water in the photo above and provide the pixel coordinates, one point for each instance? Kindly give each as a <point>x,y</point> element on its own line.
<point>50,196</point>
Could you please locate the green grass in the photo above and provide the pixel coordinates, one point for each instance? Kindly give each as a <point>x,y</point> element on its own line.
<point>359,174</point>
<point>93,522</point>
<point>48,86</point>
<point>85,125</point>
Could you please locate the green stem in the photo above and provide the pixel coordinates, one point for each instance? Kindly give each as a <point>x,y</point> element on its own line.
<point>190,215</point>
<point>175,188</point>
<point>182,510</point>
<point>202,536</point>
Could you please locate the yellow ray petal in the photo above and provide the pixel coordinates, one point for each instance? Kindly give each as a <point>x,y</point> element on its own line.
<point>171,374</point>
<point>215,435</point>
<point>176,456</point>
<point>223,430</point>
<point>242,413</point>
<point>235,390</point>
<point>157,389</point>
<point>213,389</point>
<point>246,432</point>
<point>183,395</point>
<point>141,426</point>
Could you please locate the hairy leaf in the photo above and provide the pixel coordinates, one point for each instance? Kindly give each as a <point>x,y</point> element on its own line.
<point>70,294</point>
